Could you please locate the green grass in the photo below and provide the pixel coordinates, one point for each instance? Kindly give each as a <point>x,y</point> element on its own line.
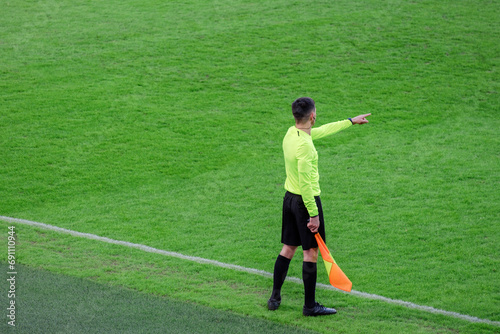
<point>49,303</point>
<point>161,123</point>
<point>224,289</point>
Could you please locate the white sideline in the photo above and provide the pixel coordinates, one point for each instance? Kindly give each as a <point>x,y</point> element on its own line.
<point>249,270</point>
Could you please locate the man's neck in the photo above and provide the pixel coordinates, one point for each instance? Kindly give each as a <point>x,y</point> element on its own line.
<point>306,127</point>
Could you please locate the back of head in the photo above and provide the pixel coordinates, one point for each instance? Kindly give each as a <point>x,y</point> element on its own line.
<point>302,108</point>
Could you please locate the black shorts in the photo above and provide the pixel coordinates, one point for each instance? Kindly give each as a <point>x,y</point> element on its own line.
<point>294,230</point>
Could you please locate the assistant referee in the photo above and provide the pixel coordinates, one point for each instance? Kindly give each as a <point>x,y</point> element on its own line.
<point>302,211</point>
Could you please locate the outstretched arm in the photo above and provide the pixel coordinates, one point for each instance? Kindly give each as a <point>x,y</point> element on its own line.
<point>334,127</point>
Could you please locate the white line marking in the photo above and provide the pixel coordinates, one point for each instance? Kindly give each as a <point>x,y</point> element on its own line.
<point>249,270</point>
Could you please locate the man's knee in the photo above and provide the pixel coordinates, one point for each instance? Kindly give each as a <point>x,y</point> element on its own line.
<point>288,251</point>
<point>311,255</point>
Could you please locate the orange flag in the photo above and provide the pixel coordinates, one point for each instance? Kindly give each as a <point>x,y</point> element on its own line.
<point>336,276</point>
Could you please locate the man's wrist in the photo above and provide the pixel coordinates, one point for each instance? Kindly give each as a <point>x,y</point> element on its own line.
<point>351,120</point>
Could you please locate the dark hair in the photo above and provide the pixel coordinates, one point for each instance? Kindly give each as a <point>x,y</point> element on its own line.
<point>302,108</point>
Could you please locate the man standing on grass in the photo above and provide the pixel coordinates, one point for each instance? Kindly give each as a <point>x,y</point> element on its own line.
<point>302,211</point>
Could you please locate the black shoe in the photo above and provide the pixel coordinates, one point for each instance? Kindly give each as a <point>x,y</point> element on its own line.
<point>273,304</point>
<point>318,309</point>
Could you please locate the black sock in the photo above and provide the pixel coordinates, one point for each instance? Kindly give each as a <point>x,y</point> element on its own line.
<point>309,275</point>
<point>280,271</point>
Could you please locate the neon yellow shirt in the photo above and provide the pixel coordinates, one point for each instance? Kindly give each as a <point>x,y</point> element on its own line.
<point>301,161</point>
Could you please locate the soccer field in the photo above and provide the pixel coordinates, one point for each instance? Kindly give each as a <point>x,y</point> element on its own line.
<point>160,123</point>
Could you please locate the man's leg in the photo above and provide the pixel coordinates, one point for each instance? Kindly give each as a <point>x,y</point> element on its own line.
<point>288,251</point>
<point>309,276</point>
<point>280,270</point>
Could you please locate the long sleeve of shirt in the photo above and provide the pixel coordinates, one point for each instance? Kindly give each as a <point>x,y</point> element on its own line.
<point>307,168</point>
<point>329,129</point>
<point>301,161</point>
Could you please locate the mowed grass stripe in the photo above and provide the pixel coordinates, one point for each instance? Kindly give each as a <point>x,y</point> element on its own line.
<point>50,303</point>
<point>248,270</point>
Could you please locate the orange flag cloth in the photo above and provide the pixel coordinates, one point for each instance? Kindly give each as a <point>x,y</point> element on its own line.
<point>336,276</point>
